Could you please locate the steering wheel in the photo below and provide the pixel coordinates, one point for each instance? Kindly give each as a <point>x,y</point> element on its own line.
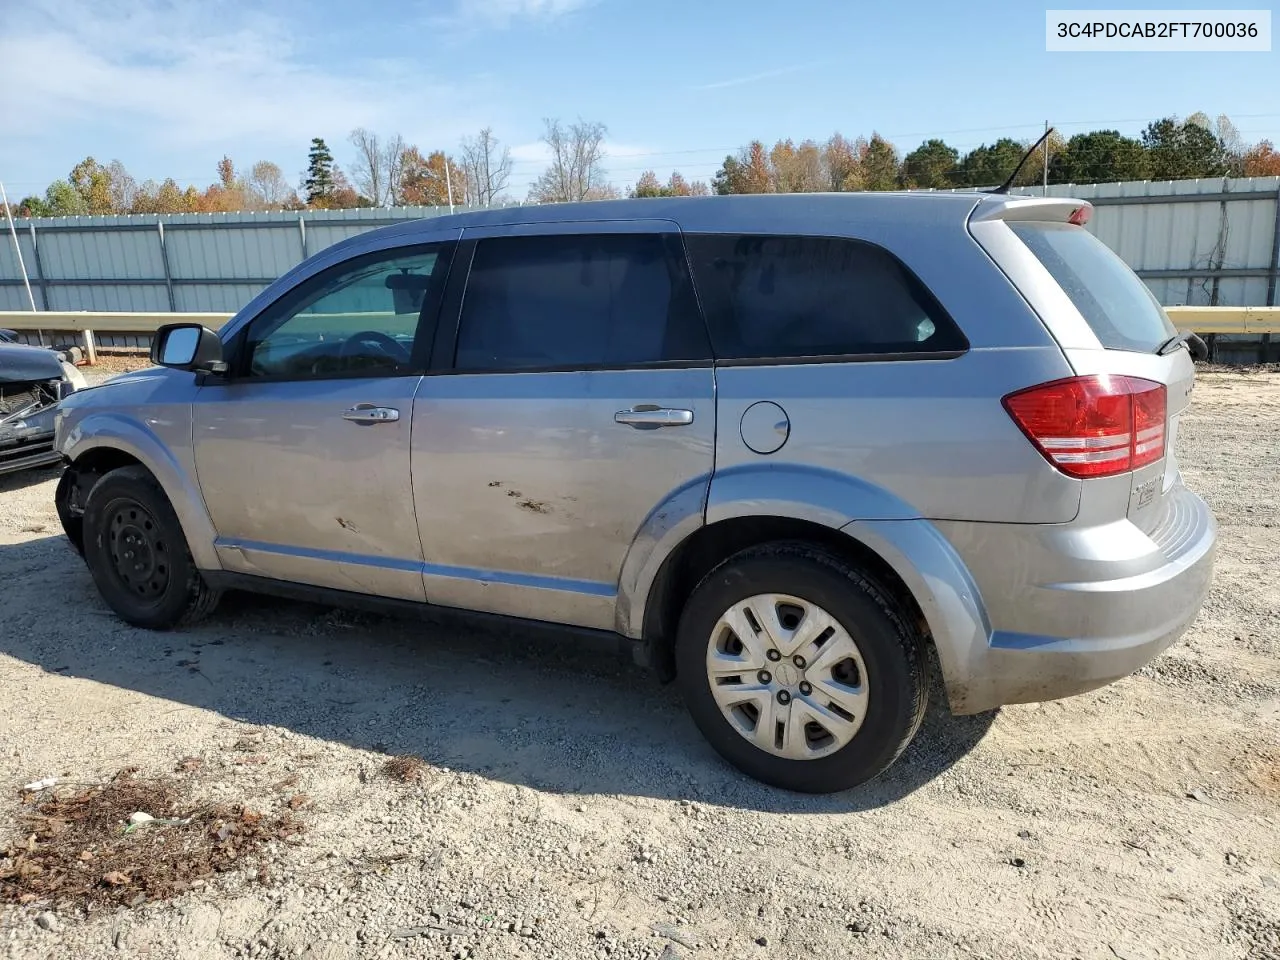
<point>393,348</point>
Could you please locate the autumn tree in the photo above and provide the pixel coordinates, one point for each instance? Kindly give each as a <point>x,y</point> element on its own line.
<point>1262,160</point>
<point>676,186</point>
<point>343,196</point>
<point>796,169</point>
<point>648,185</point>
<point>166,197</point>
<point>840,160</point>
<point>93,182</point>
<point>32,206</point>
<point>576,171</point>
<point>487,166</point>
<point>932,164</point>
<point>228,194</point>
<point>434,180</point>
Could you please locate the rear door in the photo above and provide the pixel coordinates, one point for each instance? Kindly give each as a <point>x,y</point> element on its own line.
<point>1107,322</point>
<point>578,401</point>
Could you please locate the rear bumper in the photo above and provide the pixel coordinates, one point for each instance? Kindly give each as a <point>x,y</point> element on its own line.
<point>1071,609</point>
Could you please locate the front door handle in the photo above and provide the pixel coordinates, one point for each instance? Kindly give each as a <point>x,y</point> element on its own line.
<point>648,416</point>
<point>370,413</point>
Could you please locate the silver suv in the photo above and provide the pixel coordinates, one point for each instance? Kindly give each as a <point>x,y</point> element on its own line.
<point>786,445</point>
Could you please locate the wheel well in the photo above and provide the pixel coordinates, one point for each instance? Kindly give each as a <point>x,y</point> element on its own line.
<point>710,545</point>
<point>102,460</point>
<point>88,467</point>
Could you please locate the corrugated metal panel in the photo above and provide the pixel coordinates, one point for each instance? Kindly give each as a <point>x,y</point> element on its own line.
<point>135,297</point>
<point>213,297</point>
<point>15,298</point>
<point>123,255</point>
<point>9,260</point>
<point>231,253</point>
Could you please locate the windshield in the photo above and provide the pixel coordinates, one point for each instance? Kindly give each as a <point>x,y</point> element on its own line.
<point>1113,301</point>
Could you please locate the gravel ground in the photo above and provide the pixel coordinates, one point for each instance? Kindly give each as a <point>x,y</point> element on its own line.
<point>569,809</point>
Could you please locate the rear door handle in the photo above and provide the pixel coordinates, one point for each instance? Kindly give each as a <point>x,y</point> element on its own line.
<point>369,413</point>
<point>648,416</point>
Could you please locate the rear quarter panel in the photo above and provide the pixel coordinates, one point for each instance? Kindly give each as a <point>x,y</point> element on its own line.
<point>930,436</point>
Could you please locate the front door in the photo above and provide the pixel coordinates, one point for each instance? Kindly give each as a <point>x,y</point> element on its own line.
<point>581,405</point>
<point>303,455</point>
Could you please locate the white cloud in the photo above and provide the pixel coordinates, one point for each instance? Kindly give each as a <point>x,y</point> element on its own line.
<point>753,77</point>
<point>500,13</point>
<point>186,73</point>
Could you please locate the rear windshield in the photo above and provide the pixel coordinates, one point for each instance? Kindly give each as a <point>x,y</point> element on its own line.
<point>1113,301</point>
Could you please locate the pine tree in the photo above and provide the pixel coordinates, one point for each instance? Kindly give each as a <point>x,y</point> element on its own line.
<point>319,183</point>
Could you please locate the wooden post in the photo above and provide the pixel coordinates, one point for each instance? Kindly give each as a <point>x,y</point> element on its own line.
<point>90,352</point>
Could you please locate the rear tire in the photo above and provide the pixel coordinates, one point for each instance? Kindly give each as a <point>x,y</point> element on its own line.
<point>826,715</point>
<point>72,522</point>
<point>137,553</point>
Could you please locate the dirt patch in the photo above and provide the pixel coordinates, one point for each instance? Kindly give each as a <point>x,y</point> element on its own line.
<point>129,841</point>
<point>569,807</point>
<point>405,769</point>
<point>121,361</point>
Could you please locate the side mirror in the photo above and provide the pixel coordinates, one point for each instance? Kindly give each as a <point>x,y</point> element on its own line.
<point>1199,349</point>
<point>188,346</point>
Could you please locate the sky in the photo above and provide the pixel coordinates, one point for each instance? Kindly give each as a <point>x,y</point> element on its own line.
<point>169,86</point>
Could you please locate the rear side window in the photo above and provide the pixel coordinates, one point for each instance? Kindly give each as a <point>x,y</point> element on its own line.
<point>791,297</point>
<point>593,300</point>
<point>1122,312</point>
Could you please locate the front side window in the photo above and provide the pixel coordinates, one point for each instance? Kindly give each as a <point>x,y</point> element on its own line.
<point>359,319</point>
<point>786,297</point>
<point>592,300</point>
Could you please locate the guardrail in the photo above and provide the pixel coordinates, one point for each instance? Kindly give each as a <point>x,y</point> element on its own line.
<point>1209,321</point>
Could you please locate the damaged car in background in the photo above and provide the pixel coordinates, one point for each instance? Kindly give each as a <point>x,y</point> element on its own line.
<point>32,381</point>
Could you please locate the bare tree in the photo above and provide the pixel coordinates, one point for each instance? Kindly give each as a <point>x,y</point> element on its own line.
<point>1233,145</point>
<point>487,168</point>
<point>393,162</point>
<point>124,189</point>
<point>369,172</point>
<point>267,184</point>
<point>576,171</point>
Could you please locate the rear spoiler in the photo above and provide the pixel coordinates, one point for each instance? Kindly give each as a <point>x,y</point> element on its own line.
<point>1051,209</point>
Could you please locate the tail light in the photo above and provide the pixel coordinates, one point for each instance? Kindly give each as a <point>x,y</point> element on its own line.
<point>1093,426</point>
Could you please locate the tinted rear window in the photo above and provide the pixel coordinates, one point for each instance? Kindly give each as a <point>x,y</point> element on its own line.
<point>789,297</point>
<point>1122,312</point>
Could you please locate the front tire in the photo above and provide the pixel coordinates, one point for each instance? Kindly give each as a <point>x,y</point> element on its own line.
<point>137,553</point>
<point>800,670</point>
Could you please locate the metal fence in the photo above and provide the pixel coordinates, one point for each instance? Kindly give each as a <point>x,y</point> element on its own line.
<point>1195,242</point>
<point>178,263</point>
